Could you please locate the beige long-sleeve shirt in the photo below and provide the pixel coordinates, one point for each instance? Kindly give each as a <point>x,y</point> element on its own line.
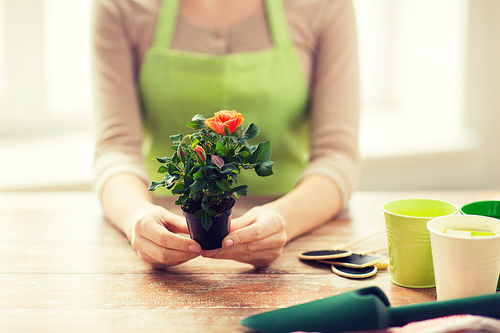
<point>323,32</point>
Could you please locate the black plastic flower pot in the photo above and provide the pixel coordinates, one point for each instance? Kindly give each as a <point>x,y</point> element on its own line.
<point>212,238</point>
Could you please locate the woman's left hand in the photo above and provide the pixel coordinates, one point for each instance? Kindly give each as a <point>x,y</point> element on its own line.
<point>256,238</point>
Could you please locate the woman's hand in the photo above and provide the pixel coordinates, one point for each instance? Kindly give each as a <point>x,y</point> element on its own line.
<point>256,238</point>
<point>154,236</point>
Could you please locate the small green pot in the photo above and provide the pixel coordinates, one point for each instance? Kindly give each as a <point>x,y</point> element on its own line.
<point>490,208</point>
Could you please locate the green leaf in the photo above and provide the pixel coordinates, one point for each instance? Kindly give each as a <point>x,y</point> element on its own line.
<point>212,137</point>
<point>165,159</point>
<point>251,131</point>
<point>230,138</point>
<point>210,167</point>
<point>179,189</point>
<point>211,175</point>
<point>168,177</point>
<point>172,168</point>
<point>155,185</point>
<point>206,208</point>
<point>197,186</point>
<point>162,169</point>
<point>244,154</point>
<point>211,212</point>
<point>194,141</point>
<point>230,154</point>
<point>233,177</point>
<point>198,174</point>
<point>176,138</point>
<point>198,117</point>
<point>170,183</point>
<point>196,124</point>
<point>220,149</point>
<point>197,196</point>
<point>213,188</point>
<point>205,204</point>
<point>175,158</point>
<point>189,165</point>
<point>243,143</point>
<point>240,190</point>
<point>264,169</point>
<point>261,154</point>
<point>206,222</point>
<point>228,168</point>
<point>180,200</point>
<point>199,214</point>
<point>224,185</point>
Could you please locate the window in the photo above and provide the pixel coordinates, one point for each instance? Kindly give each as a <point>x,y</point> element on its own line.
<point>67,49</point>
<point>413,67</point>
<point>45,98</point>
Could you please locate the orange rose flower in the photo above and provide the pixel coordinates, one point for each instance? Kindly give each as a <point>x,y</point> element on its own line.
<point>224,118</point>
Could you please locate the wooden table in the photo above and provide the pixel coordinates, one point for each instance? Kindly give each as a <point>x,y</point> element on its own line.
<point>64,268</point>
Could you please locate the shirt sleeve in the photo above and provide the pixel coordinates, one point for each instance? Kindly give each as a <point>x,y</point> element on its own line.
<point>335,106</point>
<point>117,115</point>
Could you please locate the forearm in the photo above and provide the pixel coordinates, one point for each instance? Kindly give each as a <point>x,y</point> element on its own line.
<point>313,202</point>
<point>122,197</point>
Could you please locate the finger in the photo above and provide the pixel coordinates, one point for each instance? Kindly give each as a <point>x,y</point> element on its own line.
<point>176,223</point>
<point>158,234</point>
<point>154,254</point>
<point>262,227</point>
<point>276,240</point>
<point>242,221</point>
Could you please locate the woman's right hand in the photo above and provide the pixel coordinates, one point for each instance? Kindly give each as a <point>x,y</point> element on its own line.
<point>154,234</point>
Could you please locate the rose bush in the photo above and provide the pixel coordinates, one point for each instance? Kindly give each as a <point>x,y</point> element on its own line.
<point>203,170</point>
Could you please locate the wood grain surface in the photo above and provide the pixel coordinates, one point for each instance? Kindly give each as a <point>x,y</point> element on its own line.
<point>64,268</point>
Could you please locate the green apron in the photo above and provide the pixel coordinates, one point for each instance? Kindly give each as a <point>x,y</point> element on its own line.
<point>267,87</point>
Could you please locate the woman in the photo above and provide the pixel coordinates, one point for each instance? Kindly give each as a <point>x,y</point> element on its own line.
<point>289,66</point>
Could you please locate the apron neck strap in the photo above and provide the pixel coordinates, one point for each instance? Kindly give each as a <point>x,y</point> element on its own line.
<point>278,23</point>
<point>165,25</point>
<point>169,9</point>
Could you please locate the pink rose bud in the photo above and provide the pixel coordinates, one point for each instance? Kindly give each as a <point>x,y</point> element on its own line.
<point>200,154</point>
<point>181,152</point>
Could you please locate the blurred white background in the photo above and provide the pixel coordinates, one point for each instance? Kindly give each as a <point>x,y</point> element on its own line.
<point>430,75</point>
